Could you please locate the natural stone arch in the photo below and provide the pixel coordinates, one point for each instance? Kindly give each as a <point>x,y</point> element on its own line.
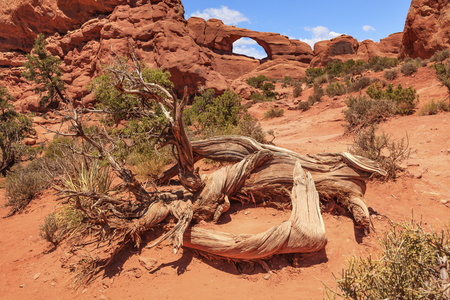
<point>263,45</point>
<point>220,37</point>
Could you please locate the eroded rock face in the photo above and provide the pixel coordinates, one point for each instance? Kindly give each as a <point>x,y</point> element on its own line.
<point>345,47</point>
<point>427,28</point>
<point>21,21</point>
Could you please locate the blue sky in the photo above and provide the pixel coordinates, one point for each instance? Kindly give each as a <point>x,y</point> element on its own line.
<point>309,21</point>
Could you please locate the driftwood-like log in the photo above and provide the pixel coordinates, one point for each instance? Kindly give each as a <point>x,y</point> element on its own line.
<point>338,176</point>
<point>303,232</point>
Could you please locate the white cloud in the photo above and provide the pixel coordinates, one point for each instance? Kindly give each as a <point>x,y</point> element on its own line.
<point>227,15</point>
<point>319,33</point>
<point>249,47</point>
<point>368,28</point>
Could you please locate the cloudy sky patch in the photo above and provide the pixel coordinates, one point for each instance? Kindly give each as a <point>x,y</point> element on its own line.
<point>224,13</point>
<point>368,28</point>
<point>319,33</point>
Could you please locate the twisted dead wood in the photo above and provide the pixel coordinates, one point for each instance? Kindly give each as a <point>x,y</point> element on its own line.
<point>303,232</point>
<point>338,176</point>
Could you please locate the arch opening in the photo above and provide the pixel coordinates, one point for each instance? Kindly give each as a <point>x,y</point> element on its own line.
<point>249,47</point>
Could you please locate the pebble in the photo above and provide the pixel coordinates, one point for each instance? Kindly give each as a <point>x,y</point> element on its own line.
<point>36,276</point>
<point>147,262</point>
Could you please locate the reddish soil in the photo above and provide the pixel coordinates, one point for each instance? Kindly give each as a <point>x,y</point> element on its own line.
<point>31,270</point>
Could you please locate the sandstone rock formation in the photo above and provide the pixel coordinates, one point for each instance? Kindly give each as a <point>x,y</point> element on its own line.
<point>22,20</point>
<point>345,47</point>
<point>427,28</point>
<point>198,53</point>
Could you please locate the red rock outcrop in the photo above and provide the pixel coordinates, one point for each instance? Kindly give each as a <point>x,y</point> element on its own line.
<point>220,37</point>
<point>198,53</point>
<point>427,28</point>
<point>345,47</point>
<point>22,20</point>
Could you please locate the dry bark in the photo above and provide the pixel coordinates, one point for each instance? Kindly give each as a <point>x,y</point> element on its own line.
<point>338,176</point>
<point>303,232</point>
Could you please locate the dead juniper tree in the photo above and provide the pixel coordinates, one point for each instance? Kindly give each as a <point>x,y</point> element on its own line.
<point>260,173</point>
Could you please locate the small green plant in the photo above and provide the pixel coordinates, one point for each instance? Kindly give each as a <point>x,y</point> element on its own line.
<point>440,56</point>
<point>297,91</point>
<point>378,63</point>
<point>433,107</point>
<point>359,84</point>
<point>391,74</point>
<point>268,89</point>
<point>304,105</point>
<point>443,74</point>
<point>24,184</point>
<point>382,148</point>
<point>257,82</point>
<point>404,99</point>
<point>43,69</point>
<point>313,73</point>
<point>150,164</point>
<point>362,111</point>
<point>14,127</point>
<point>406,267</point>
<point>223,115</point>
<point>409,67</point>
<point>274,113</point>
<point>317,95</point>
<point>336,89</point>
<point>257,97</point>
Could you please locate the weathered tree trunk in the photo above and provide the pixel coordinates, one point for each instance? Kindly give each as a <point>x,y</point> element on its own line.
<point>338,176</point>
<point>303,232</point>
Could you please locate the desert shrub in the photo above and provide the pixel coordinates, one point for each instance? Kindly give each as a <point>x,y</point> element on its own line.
<point>313,73</point>
<point>48,231</point>
<point>304,105</point>
<point>257,97</point>
<point>297,91</point>
<point>433,107</point>
<point>359,84</point>
<point>378,63</point>
<point>88,177</point>
<point>268,89</point>
<point>409,67</point>
<point>336,89</point>
<point>14,127</point>
<point>257,81</point>
<point>443,74</point>
<point>338,69</point>
<point>150,164</point>
<point>223,115</point>
<point>440,56</point>
<point>287,81</point>
<point>391,74</point>
<point>24,184</point>
<point>317,95</point>
<point>274,113</point>
<point>322,79</point>
<point>43,69</point>
<point>406,267</point>
<point>404,99</point>
<point>383,149</point>
<point>362,111</point>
